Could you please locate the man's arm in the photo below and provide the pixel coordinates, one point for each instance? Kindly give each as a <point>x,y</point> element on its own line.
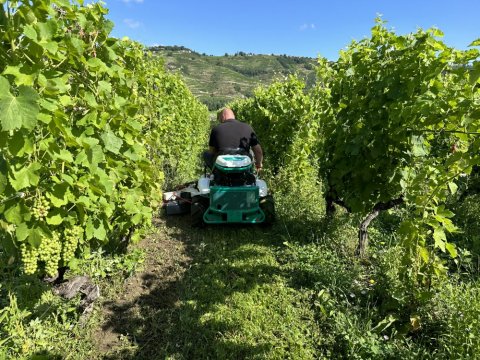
<point>258,152</point>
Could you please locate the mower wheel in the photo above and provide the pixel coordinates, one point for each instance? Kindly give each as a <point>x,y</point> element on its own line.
<point>268,207</point>
<point>197,209</point>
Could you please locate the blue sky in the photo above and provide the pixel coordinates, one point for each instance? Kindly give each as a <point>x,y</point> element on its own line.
<point>292,27</point>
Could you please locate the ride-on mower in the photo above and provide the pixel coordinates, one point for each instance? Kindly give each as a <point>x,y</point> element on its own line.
<point>231,193</point>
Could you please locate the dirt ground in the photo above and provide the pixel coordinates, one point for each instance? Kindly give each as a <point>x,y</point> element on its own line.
<point>150,295</point>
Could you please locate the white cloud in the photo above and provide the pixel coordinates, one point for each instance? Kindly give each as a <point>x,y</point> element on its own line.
<point>132,24</point>
<point>307,27</point>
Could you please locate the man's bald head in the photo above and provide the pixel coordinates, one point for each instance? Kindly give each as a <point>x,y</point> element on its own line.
<point>225,114</point>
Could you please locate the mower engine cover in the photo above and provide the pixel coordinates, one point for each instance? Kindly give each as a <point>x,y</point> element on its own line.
<point>234,163</point>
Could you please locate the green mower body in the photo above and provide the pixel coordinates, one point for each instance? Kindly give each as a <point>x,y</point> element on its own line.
<point>232,194</point>
<point>234,205</point>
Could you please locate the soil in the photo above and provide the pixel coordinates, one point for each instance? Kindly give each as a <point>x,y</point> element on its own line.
<point>148,296</point>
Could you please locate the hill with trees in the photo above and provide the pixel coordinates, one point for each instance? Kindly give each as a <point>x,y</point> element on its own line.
<point>216,80</point>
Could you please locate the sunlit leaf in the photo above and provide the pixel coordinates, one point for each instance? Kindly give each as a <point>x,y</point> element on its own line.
<point>55,217</point>
<point>58,194</point>
<point>18,111</point>
<point>22,231</point>
<point>25,177</point>
<point>112,142</point>
<point>451,249</point>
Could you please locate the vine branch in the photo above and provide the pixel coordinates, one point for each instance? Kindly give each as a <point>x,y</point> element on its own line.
<point>363,229</point>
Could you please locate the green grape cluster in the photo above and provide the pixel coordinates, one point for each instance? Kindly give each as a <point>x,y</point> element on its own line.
<point>40,208</point>
<point>49,252</point>
<point>70,242</point>
<point>29,258</point>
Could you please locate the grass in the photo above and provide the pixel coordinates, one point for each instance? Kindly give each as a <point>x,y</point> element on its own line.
<point>230,301</point>
<point>36,324</point>
<point>242,305</point>
<point>295,290</point>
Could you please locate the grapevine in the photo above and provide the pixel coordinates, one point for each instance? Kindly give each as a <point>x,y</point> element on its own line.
<point>85,121</point>
<point>397,123</point>
<point>284,118</point>
<point>386,134</point>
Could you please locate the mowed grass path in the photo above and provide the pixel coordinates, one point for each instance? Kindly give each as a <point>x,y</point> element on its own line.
<point>216,293</point>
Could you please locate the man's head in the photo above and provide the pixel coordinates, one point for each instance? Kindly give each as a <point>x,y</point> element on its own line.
<point>225,114</point>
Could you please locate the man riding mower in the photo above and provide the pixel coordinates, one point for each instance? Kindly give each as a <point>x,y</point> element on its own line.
<point>230,190</point>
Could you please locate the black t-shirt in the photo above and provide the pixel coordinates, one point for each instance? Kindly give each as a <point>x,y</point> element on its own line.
<point>232,134</point>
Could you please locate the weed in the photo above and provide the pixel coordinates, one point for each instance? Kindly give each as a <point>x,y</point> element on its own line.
<point>453,318</point>
<point>99,265</point>
<point>36,324</point>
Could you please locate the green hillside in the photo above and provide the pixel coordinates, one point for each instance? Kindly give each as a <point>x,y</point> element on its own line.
<point>215,80</point>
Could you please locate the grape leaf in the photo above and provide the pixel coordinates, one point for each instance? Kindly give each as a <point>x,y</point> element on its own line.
<point>63,155</point>
<point>30,32</point>
<point>25,177</point>
<point>475,43</point>
<point>58,195</point>
<point>14,214</point>
<point>89,229</point>
<point>95,64</point>
<point>424,254</point>
<point>20,77</point>
<point>22,231</point>
<point>451,249</point>
<point>440,238</point>
<point>75,45</point>
<point>99,230</point>
<point>95,156</point>
<point>475,72</point>
<point>20,144</point>
<point>35,237</point>
<point>55,217</point>
<point>112,142</point>
<point>51,46</point>
<point>453,187</point>
<point>104,87</point>
<point>3,183</point>
<point>46,30</point>
<point>18,111</point>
